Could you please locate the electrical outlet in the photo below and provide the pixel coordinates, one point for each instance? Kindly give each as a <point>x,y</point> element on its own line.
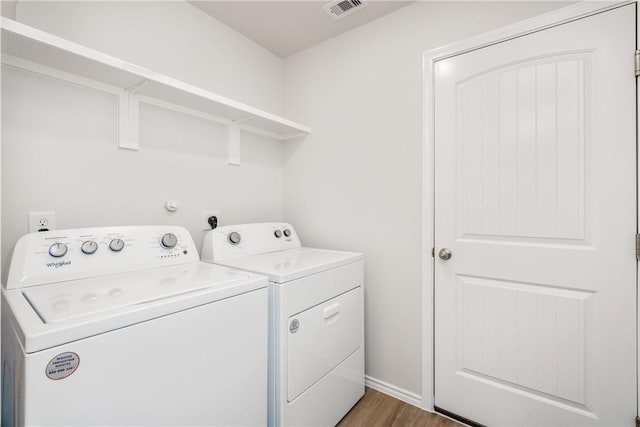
<point>205,218</point>
<point>42,221</point>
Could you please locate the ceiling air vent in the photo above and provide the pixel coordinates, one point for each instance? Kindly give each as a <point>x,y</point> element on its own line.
<point>341,8</point>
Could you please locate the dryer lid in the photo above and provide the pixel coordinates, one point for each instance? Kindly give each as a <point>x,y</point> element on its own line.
<point>285,266</point>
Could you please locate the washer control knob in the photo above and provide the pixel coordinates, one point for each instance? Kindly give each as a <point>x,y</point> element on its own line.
<point>168,241</point>
<point>234,238</point>
<point>116,245</point>
<point>277,233</point>
<point>89,247</point>
<point>287,232</point>
<point>58,250</point>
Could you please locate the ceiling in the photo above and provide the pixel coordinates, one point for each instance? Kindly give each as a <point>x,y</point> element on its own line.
<point>287,27</point>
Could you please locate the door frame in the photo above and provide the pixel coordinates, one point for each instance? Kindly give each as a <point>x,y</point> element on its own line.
<point>548,20</point>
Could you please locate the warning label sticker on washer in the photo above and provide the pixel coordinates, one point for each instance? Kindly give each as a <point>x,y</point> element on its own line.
<point>62,365</point>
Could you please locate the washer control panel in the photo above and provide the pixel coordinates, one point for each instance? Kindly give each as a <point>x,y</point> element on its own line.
<point>58,255</point>
<point>248,239</point>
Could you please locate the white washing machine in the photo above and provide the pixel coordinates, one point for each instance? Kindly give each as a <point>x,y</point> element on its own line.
<point>316,353</point>
<point>125,326</point>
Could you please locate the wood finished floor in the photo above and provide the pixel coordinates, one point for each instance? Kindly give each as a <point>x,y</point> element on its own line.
<point>376,409</point>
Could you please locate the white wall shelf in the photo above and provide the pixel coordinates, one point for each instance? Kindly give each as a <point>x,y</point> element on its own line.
<point>30,49</point>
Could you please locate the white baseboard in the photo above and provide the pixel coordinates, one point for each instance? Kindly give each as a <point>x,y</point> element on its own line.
<point>393,391</point>
<point>401,394</point>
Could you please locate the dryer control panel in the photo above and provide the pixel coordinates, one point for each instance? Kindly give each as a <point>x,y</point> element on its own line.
<point>241,240</point>
<point>61,255</point>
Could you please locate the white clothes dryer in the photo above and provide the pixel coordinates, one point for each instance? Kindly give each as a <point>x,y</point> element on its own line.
<point>125,326</point>
<point>316,341</point>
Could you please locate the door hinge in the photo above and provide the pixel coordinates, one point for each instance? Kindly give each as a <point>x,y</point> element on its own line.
<point>637,62</point>
<point>638,246</point>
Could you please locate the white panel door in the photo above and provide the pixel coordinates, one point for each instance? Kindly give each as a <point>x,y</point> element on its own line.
<point>535,196</point>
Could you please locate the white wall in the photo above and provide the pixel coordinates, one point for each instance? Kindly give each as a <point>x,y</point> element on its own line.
<point>8,8</point>
<point>355,183</point>
<point>59,141</point>
<point>171,37</point>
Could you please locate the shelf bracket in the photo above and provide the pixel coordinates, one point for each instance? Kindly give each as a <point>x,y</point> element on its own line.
<point>233,142</point>
<point>129,107</point>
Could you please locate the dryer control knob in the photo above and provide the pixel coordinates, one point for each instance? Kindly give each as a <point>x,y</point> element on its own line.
<point>287,232</point>
<point>278,233</point>
<point>58,250</point>
<point>88,247</point>
<point>234,238</point>
<point>169,241</point>
<point>116,245</point>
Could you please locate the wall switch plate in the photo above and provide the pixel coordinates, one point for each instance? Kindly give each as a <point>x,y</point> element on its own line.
<point>42,221</point>
<point>205,219</point>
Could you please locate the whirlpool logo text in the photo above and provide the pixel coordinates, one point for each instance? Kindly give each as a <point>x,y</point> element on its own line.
<point>58,264</point>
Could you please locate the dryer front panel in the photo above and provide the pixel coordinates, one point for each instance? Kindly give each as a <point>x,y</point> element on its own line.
<point>320,338</point>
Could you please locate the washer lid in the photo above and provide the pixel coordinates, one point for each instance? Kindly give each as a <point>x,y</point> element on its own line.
<point>49,315</point>
<point>292,264</point>
<point>75,299</point>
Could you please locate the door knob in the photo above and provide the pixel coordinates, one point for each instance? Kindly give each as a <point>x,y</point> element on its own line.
<point>445,254</point>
